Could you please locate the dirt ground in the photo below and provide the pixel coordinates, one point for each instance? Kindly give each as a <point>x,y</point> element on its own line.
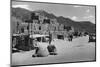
<point>77,50</point>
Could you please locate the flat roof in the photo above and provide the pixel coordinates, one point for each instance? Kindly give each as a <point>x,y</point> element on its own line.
<point>37,35</point>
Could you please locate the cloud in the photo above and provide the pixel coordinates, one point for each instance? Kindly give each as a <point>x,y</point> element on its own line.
<point>74,18</point>
<point>77,6</point>
<point>88,17</point>
<point>21,6</point>
<point>88,10</point>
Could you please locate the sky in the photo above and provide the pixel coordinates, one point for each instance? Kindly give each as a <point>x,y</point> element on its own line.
<point>75,12</point>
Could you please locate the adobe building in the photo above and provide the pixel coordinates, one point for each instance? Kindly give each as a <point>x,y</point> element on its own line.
<point>40,24</point>
<point>45,25</point>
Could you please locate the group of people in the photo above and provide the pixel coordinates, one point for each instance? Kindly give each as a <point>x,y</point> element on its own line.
<point>42,50</point>
<point>76,34</point>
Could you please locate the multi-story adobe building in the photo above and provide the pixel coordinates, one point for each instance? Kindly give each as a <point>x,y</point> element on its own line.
<point>40,24</point>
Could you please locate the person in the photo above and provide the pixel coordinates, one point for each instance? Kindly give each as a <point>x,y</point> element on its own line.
<point>70,37</point>
<point>50,38</point>
<point>52,49</point>
<point>40,50</point>
<point>14,42</point>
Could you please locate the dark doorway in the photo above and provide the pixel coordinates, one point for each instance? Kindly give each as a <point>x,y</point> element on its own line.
<point>60,36</point>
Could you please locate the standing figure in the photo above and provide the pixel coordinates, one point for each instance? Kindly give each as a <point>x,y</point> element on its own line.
<point>70,37</point>
<point>40,50</point>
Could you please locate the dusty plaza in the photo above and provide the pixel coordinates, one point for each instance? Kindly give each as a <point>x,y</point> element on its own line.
<point>77,50</point>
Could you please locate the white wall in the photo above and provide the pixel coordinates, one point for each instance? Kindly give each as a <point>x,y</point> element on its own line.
<point>5,33</point>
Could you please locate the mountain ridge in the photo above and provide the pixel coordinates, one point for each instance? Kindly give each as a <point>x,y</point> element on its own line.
<point>24,14</point>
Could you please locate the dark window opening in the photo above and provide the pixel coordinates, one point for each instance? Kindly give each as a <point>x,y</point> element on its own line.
<point>60,36</point>
<point>34,17</point>
<point>43,39</point>
<point>22,30</point>
<point>39,39</point>
<point>67,28</point>
<point>39,27</point>
<point>46,21</point>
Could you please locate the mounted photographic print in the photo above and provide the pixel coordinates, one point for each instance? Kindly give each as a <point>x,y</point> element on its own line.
<point>52,33</point>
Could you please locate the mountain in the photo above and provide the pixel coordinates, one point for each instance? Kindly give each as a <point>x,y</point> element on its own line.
<point>46,14</point>
<point>24,14</point>
<point>21,13</point>
<point>78,26</point>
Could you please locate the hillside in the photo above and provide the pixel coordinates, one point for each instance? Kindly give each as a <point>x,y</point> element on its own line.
<point>21,13</point>
<point>24,14</point>
<point>78,26</point>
